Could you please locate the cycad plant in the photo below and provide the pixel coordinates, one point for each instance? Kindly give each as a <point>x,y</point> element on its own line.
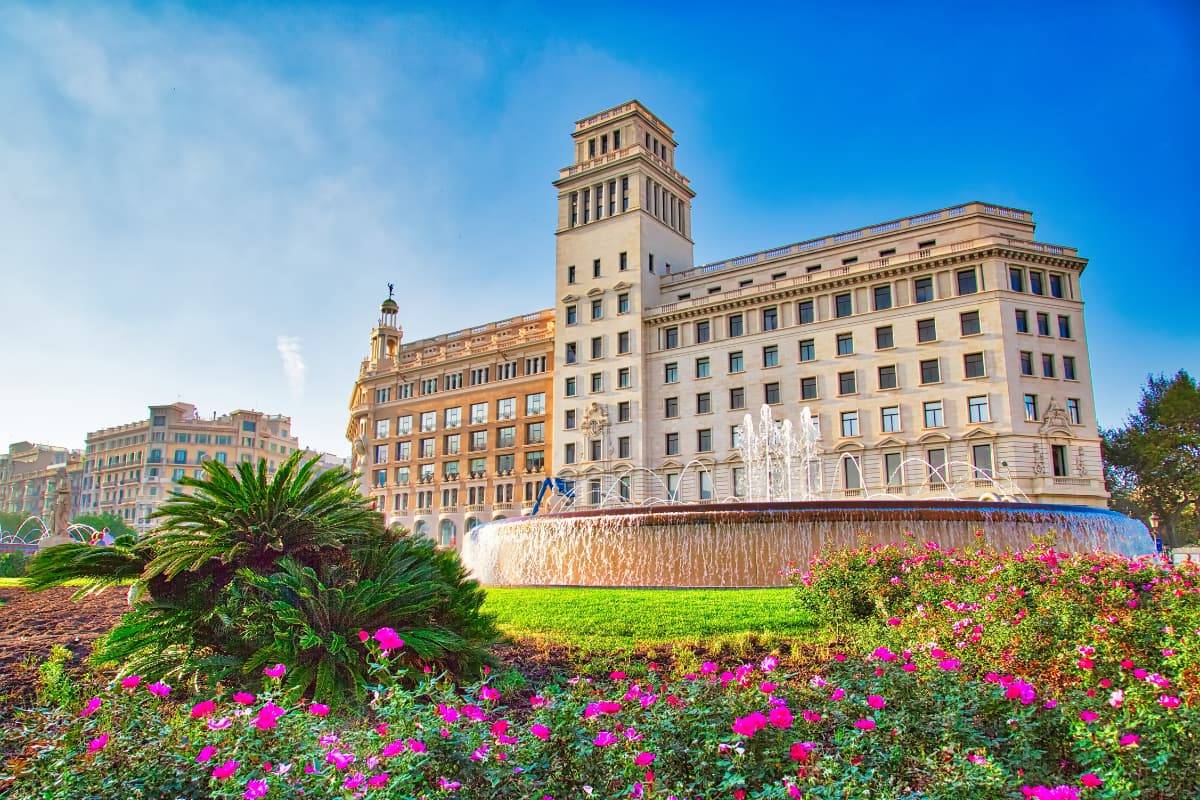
<point>250,568</point>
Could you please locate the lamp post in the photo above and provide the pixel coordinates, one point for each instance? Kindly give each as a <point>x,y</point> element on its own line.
<point>1155,522</point>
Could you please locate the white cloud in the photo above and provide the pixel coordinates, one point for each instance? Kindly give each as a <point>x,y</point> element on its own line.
<point>293,362</point>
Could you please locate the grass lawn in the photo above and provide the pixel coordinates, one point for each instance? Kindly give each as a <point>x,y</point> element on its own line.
<point>622,619</point>
<point>10,582</point>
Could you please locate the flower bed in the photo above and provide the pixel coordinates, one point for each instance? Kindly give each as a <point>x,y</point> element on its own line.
<point>939,693</point>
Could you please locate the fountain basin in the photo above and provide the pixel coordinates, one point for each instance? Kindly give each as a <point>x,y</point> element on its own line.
<point>754,544</point>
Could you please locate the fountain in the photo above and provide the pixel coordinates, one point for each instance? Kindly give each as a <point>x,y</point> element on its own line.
<point>780,517</point>
<point>60,530</point>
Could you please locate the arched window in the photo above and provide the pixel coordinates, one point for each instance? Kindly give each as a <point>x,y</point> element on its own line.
<point>472,524</point>
<point>447,531</point>
<point>421,529</point>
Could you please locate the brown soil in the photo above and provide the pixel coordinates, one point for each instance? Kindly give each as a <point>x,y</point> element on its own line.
<point>33,622</point>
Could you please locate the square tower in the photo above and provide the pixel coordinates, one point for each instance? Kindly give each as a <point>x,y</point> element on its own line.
<point>624,222</point>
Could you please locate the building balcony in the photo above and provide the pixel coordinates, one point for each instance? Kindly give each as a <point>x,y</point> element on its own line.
<point>448,510</point>
<point>475,508</point>
<point>503,505</point>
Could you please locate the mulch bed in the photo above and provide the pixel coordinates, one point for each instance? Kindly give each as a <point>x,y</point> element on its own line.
<point>33,622</point>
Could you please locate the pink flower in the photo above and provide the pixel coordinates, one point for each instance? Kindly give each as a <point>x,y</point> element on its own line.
<point>1129,740</point>
<point>318,709</point>
<point>893,621</point>
<point>448,785</point>
<point>388,639</point>
<point>268,716</point>
<point>159,689</point>
<point>540,731</point>
<point>339,759</point>
<point>810,716</point>
<point>799,750</point>
<point>363,636</point>
<point>354,781</point>
<point>780,717</point>
<point>91,707</point>
<point>393,749</point>
<point>769,663</point>
<point>644,759</point>
<point>416,745</point>
<point>876,701</point>
<point>616,675</point>
<point>604,739</point>
<point>131,681</point>
<point>225,771</point>
<point>1091,780</point>
<point>537,701</point>
<point>884,654</point>
<point>749,724</point>
<point>949,664</point>
<point>218,724</point>
<point>447,713</point>
<point>203,709</point>
<point>766,687</point>
<point>244,698</point>
<point>1168,701</point>
<point>275,671</point>
<point>488,693</point>
<point>375,781</point>
<point>206,753</point>
<point>1088,716</point>
<point>708,668</point>
<point>98,743</point>
<point>838,694</point>
<point>255,789</point>
<point>865,724</point>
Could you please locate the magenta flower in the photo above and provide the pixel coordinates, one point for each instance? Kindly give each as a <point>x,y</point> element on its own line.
<point>540,731</point>
<point>448,785</point>
<point>447,713</point>
<point>276,671</point>
<point>1091,780</point>
<point>780,717</point>
<point>218,724</point>
<point>488,693</point>
<point>339,759</point>
<point>1088,716</point>
<point>616,675</point>
<point>810,716</point>
<point>255,789</point>
<point>416,745</point>
<point>769,664</point>
<point>1168,701</point>
<point>268,716</point>
<point>244,699</point>
<point>604,739</point>
<point>354,781</point>
<point>1129,740</point>
<point>644,759</point>
<point>225,771</point>
<point>363,636</point>
<point>91,707</point>
<point>393,749</point>
<point>893,621</point>
<point>203,709</point>
<point>131,681</point>
<point>206,753</point>
<point>949,664</point>
<point>865,724</point>
<point>749,724</point>
<point>159,689</point>
<point>388,639</point>
<point>375,781</point>
<point>98,743</point>
<point>876,701</point>
<point>318,709</point>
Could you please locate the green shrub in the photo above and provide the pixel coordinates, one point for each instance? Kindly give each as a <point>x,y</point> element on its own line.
<point>56,686</point>
<point>12,565</point>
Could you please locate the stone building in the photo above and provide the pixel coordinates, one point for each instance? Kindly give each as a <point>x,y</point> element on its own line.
<point>30,474</point>
<point>942,352</point>
<point>454,430</point>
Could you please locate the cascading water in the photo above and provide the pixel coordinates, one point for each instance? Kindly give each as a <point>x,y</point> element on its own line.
<point>780,519</point>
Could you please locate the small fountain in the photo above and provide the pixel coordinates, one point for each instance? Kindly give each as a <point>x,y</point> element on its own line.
<point>60,530</point>
<point>780,517</point>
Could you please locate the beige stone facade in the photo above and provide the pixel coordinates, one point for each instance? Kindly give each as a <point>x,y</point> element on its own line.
<point>455,430</point>
<point>130,469</point>
<point>942,352</point>
<point>30,475</point>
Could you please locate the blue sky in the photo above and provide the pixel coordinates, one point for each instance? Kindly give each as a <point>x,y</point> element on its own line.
<point>205,203</point>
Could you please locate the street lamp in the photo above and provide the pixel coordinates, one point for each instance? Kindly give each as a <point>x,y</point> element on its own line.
<point>1155,521</point>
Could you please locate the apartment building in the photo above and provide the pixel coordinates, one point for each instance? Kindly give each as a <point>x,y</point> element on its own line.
<point>30,474</point>
<point>455,430</point>
<point>130,469</point>
<point>942,352</point>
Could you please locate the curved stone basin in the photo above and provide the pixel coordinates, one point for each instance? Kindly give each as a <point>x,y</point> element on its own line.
<point>752,544</point>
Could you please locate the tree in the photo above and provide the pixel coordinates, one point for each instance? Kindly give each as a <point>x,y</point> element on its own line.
<point>1153,461</point>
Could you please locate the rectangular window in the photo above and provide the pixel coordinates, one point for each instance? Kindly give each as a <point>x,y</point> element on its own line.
<point>771,394</point>
<point>883,297</point>
<point>623,303</point>
<point>847,383</point>
<point>1047,365</point>
<point>933,414</point>
<point>569,419</point>
<point>478,440</point>
<point>736,325</point>
<point>623,380</point>
<point>570,387</point>
<point>851,473</point>
<point>625,194</point>
<point>770,356</point>
<point>622,261</point>
<point>770,319</point>
<point>623,448</point>
<point>1056,285</point>
<point>703,403</point>
<point>671,407</point>
<point>978,409</point>
<point>849,423</point>
<point>1043,323</point>
<point>1022,320</point>
<point>845,344</point>
<point>597,347</point>
<point>893,472</point>
<point>842,305</point>
<point>703,332</point>
<point>889,419</point>
<point>597,382</point>
<point>968,282</point>
<point>671,373</point>
<point>887,377</point>
<point>1016,279</point>
<point>670,338</point>
<point>594,449</point>
<point>883,338</point>
<point>704,440</point>
<point>736,363</point>
<point>623,411</point>
<point>569,453</point>
<point>453,417</point>
<point>572,354</point>
<point>926,330</point>
<point>1026,362</point>
<point>596,267</point>
<point>981,458</point>
<point>1031,408</point>
<point>807,350</point>
<point>808,388</point>
<point>535,404</point>
<point>571,274</point>
<point>1073,410</point>
<point>973,365</point>
<point>597,309</point>
<point>702,367</point>
<point>737,398</point>
<point>968,323</point>
<point>1037,282</point>
<point>1069,367</point>
<point>923,290</point>
<point>672,444</point>
<point>706,485</point>
<point>1064,326</point>
<point>1058,456</point>
<point>452,445</point>
<point>930,371</point>
<point>572,315</point>
<point>623,343</point>
<point>427,448</point>
<point>804,312</point>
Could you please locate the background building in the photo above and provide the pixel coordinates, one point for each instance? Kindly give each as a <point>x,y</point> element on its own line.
<point>30,474</point>
<point>454,430</point>
<point>941,349</point>
<point>130,469</point>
